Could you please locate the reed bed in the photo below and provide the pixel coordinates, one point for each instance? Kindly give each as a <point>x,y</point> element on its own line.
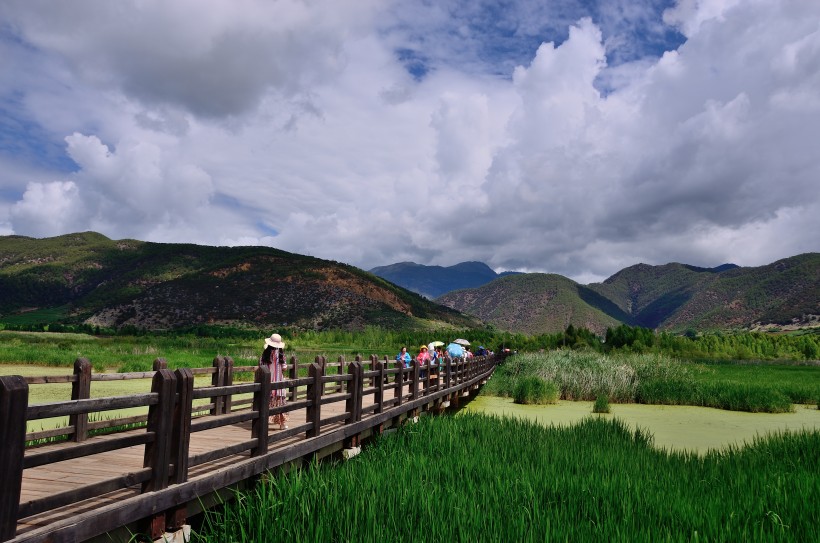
<point>651,379</point>
<point>474,477</point>
<point>535,391</point>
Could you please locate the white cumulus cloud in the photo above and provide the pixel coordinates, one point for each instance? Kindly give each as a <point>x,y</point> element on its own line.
<point>539,138</point>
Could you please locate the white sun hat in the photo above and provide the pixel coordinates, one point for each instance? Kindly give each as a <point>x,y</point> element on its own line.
<point>275,340</point>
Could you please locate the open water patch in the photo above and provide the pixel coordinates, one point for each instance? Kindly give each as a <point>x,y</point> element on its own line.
<point>675,427</point>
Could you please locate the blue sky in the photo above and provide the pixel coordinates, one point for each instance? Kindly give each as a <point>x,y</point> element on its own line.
<point>494,37</point>
<point>572,137</point>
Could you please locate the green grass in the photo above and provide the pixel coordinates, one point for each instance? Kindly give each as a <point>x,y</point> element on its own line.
<point>478,478</point>
<point>137,353</point>
<point>799,382</point>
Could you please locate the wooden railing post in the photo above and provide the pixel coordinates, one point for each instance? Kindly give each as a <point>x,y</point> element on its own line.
<point>399,390</point>
<point>158,452</point>
<point>448,371</point>
<point>374,360</point>
<point>353,406</point>
<point>227,362</point>
<point>340,385</point>
<point>427,373</point>
<point>358,358</point>
<point>13,405</point>
<point>322,362</point>
<point>217,379</point>
<point>261,405</point>
<point>314,395</point>
<point>160,364</point>
<point>176,517</point>
<point>380,379</point>
<point>414,387</point>
<point>181,428</point>
<point>294,374</point>
<point>386,363</point>
<point>160,417</point>
<point>80,390</point>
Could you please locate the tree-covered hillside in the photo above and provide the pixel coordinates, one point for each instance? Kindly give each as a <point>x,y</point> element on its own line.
<point>87,277</point>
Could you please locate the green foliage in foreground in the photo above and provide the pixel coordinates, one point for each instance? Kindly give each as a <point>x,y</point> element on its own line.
<point>478,478</point>
<point>657,379</point>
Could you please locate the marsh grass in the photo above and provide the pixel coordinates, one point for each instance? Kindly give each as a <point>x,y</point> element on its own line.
<point>601,404</point>
<point>658,379</point>
<point>479,478</point>
<point>535,391</point>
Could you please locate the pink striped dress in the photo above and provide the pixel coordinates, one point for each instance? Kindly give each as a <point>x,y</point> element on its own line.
<point>277,397</point>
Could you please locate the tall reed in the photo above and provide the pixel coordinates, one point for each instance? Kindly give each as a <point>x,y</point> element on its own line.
<point>642,378</point>
<point>479,478</point>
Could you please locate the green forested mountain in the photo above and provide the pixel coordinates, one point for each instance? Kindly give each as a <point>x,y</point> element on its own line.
<point>89,278</point>
<point>650,294</point>
<point>535,303</point>
<point>674,297</point>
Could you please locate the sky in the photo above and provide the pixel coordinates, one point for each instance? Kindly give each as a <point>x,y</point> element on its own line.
<point>575,137</point>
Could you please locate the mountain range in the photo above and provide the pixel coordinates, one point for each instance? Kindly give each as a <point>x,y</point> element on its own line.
<point>88,278</point>
<point>672,297</point>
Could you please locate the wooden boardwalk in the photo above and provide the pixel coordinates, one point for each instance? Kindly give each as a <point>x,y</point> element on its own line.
<point>150,479</point>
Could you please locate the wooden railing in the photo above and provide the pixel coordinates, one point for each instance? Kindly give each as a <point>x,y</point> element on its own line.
<point>163,482</point>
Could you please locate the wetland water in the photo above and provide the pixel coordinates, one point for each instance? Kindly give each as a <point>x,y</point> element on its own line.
<point>675,427</point>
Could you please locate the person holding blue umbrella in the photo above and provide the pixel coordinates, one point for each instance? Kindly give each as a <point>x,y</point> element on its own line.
<point>455,350</point>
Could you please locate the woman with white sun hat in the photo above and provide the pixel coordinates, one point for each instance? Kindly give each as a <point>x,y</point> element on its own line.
<point>273,357</point>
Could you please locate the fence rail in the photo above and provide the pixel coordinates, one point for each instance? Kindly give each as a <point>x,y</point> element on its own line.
<point>340,400</point>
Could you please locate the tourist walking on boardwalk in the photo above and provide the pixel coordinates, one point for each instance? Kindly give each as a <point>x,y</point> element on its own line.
<point>438,358</point>
<point>403,360</point>
<point>423,358</point>
<point>273,357</point>
<point>404,357</point>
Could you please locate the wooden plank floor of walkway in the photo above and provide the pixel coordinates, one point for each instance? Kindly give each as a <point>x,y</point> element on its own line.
<point>51,479</point>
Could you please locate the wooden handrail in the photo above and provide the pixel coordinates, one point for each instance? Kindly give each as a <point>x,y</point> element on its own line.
<point>171,421</point>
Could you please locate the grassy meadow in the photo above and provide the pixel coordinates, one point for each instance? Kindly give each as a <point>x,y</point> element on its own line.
<point>458,479</point>
<point>137,353</point>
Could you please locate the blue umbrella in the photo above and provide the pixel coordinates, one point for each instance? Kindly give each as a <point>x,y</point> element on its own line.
<point>455,350</point>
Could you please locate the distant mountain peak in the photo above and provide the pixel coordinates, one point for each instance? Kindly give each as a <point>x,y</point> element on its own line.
<point>433,281</point>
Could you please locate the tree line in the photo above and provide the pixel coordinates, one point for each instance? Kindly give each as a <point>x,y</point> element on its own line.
<point>623,338</point>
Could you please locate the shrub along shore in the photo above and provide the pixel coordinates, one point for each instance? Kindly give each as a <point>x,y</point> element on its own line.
<point>473,477</point>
